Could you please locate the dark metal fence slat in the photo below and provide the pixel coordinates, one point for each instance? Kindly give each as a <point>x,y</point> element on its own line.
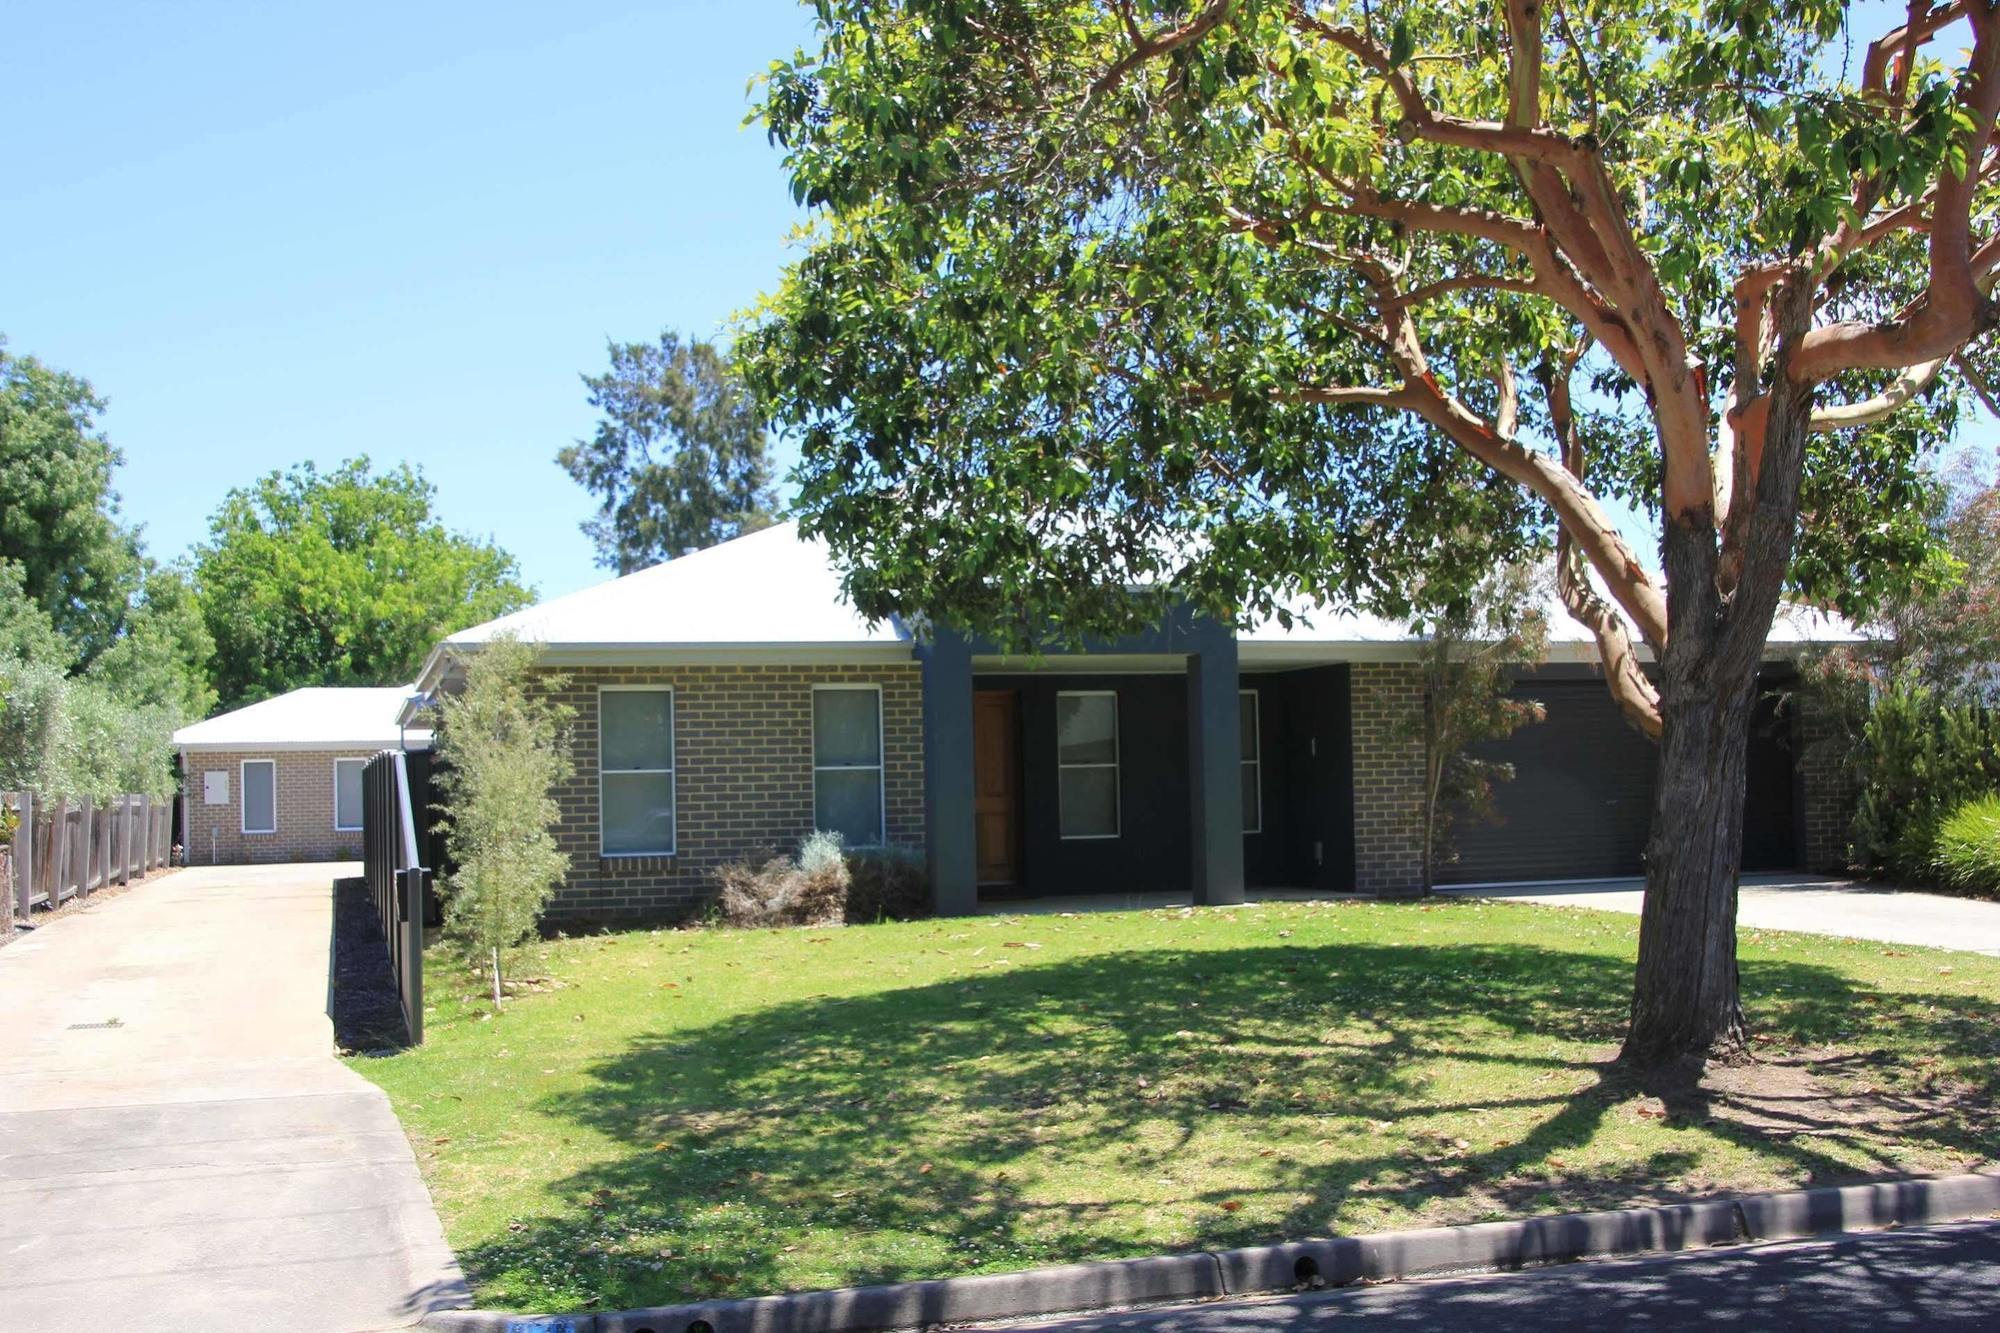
<point>395,874</point>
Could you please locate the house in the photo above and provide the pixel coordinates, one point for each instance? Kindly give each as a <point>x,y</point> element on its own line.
<point>730,701</point>
<point>281,780</point>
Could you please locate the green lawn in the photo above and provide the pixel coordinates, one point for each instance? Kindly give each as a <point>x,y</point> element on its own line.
<point>684,1114</point>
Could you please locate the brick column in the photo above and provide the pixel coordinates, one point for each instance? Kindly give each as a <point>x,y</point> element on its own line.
<point>1388,779</point>
<point>1826,796</point>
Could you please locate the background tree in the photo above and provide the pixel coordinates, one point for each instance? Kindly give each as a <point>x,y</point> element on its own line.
<point>1200,295</point>
<point>678,461</point>
<point>504,744</point>
<point>59,520</point>
<point>339,578</point>
<point>1475,647</point>
<point>1947,635</point>
<point>101,652</point>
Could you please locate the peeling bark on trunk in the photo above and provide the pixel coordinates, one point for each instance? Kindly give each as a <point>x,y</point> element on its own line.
<point>1684,996</point>
<point>1685,999</point>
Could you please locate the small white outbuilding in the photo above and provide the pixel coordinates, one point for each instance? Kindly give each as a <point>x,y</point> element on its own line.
<point>281,780</point>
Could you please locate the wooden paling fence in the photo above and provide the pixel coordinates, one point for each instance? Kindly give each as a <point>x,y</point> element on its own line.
<point>65,849</point>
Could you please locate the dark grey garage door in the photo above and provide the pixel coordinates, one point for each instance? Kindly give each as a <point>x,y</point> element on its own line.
<point>1581,800</point>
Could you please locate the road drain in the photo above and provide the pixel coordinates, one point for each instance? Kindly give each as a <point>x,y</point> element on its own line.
<point>92,1027</point>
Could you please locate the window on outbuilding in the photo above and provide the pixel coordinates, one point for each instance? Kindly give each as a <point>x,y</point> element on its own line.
<point>847,762</point>
<point>260,796</point>
<point>1253,762</point>
<point>347,794</point>
<point>1087,763</point>
<point>635,771</point>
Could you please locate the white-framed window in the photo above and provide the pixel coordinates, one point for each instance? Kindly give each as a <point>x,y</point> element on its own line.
<point>260,795</point>
<point>347,794</point>
<point>1248,713</point>
<point>1087,763</point>
<point>848,795</point>
<point>635,770</point>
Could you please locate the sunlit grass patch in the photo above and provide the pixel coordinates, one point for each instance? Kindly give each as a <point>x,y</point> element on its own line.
<point>686,1114</point>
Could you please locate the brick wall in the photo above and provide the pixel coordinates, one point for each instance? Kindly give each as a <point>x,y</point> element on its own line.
<point>1827,795</point>
<point>743,779</point>
<point>1388,779</point>
<point>214,835</point>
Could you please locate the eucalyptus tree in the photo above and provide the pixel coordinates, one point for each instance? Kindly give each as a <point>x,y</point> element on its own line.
<point>1245,299</point>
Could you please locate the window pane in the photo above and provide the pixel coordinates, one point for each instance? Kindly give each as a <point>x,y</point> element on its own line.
<point>846,728</point>
<point>347,792</point>
<point>638,813</point>
<point>1253,813</point>
<point>1247,712</point>
<point>1089,802</point>
<point>635,729</point>
<point>260,798</point>
<point>1086,728</point>
<point>849,802</point>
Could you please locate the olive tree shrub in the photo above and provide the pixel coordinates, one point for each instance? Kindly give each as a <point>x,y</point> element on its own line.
<point>504,748</point>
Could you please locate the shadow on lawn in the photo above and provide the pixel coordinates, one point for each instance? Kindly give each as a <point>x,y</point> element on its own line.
<point>902,1111</point>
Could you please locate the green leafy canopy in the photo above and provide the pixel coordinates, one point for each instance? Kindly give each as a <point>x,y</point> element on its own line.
<point>346,577</point>
<point>1085,295</point>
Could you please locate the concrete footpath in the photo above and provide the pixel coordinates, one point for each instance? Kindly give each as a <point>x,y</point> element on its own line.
<point>179,1148</point>
<point>1821,906</point>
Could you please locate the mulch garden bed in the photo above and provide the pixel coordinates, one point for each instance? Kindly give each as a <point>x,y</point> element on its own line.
<point>367,1010</point>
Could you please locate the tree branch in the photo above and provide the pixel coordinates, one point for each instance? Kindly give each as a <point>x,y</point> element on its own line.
<point>1633,693</point>
<point>1952,308</point>
<point>1160,43</point>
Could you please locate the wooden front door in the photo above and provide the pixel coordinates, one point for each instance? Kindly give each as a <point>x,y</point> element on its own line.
<point>996,783</point>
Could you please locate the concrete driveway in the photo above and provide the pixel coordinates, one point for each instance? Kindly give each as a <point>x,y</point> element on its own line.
<point>179,1148</point>
<point>1821,906</point>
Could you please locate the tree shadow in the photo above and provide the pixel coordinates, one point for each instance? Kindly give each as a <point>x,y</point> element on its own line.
<point>895,1130</point>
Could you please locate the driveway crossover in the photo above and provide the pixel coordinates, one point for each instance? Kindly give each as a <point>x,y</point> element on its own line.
<point>179,1148</point>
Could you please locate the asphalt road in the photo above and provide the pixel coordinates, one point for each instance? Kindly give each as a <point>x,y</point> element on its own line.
<point>1945,1277</point>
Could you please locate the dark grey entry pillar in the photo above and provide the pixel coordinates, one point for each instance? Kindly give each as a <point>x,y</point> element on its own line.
<point>1215,777</point>
<point>950,849</point>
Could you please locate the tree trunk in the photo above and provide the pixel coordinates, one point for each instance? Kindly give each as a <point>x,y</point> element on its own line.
<point>1684,997</point>
<point>1685,1001</point>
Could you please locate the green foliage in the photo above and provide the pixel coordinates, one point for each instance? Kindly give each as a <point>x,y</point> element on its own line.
<point>1920,757</point>
<point>1035,355</point>
<point>26,631</point>
<point>1475,650</point>
<point>339,578</point>
<point>504,747</point>
<point>37,729</point>
<point>1968,848</point>
<point>65,736</point>
<point>678,461</point>
<point>59,525</point>
<point>161,657</point>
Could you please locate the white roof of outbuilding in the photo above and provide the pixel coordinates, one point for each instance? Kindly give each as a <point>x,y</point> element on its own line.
<point>317,718</point>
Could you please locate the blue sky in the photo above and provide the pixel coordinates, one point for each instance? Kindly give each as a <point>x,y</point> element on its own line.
<point>277,232</point>
<point>270,233</point>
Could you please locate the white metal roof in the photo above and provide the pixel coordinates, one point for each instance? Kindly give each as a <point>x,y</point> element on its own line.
<point>771,589</point>
<point>1354,636</point>
<point>317,718</point>
<point>775,596</point>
